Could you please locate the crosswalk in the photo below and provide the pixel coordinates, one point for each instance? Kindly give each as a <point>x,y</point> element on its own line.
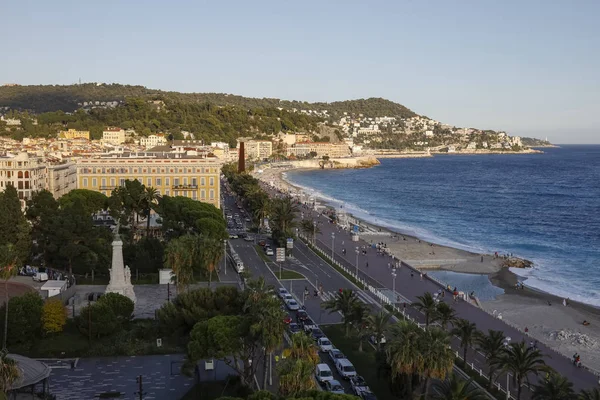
<point>362,295</point>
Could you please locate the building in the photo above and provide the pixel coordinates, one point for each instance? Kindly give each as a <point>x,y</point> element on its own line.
<point>74,134</point>
<point>113,135</point>
<point>153,141</point>
<point>11,121</point>
<point>257,149</point>
<point>61,178</point>
<point>331,150</point>
<point>26,174</point>
<point>170,173</point>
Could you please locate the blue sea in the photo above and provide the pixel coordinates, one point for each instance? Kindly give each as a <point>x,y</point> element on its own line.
<point>542,207</point>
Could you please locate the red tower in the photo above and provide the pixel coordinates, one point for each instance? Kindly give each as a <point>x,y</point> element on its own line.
<point>241,159</point>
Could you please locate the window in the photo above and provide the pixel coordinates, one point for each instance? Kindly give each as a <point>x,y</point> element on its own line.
<point>167,192</point>
<point>26,174</point>
<point>103,182</point>
<point>167,182</point>
<point>121,182</point>
<point>20,174</point>
<point>212,181</point>
<point>26,184</point>
<point>202,181</point>
<point>85,182</point>
<point>185,181</point>
<point>185,170</point>
<point>195,195</point>
<point>203,194</point>
<point>149,182</point>
<point>194,181</point>
<point>113,182</point>
<point>94,182</point>
<point>175,181</point>
<point>212,194</point>
<point>20,185</point>
<point>158,181</point>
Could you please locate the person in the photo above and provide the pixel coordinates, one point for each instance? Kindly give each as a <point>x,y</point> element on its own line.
<point>421,274</point>
<point>412,274</point>
<point>367,264</point>
<point>316,293</point>
<point>527,330</point>
<point>565,302</point>
<point>585,323</point>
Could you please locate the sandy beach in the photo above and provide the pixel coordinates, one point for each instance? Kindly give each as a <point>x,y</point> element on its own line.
<point>558,326</point>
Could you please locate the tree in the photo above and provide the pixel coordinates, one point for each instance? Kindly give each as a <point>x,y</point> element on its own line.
<point>91,200</point>
<point>25,318</point>
<point>41,211</point>
<point>466,332</point>
<point>310,229</point>
<point>9,373</point>
<point>437,356</point>
<point>8,269</point>
<point>426,304</point>
<point>521,361</point>
<point>14,228</point>
<point>360,322</point>
<point>454,388</point>
<point>121,306</point>
<point>378,324</point>
<point>296,370</point>
<point>54,316</point>
<point>492,346</point>
<point>283,212</point>
<point>97,320</point>
<point>344,302</point>
<point>445,315</point>
<point>592,394</point>
<point>210,252</point>
<point>403,353</point>
<point>553,387</point>
<point>150,198</point>
<point>180,257</point>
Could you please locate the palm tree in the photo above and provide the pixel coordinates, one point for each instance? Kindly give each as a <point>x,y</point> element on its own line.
<point>282,215</point>
<point>210,254</point>
<point>270,327</point>
<point>261,204</point>
<point>402,351</point>
<point>445,315</point>
<point>150,197</point>
<point>8,268</point>
<point>437,357</point>
<point>466,332</point>
<point>521,361</point>
<point>360,323</point>
<point>180,257</point>
<point>455,388</point>
<point>297,369</point>
<point>426,304</point>
<point>492,346</point>
<point>592,394</point>
<point>9,372</point>
<point>310,229</point>
<point>344,302</point>
<point>554,387</point>
<point>378,324</point>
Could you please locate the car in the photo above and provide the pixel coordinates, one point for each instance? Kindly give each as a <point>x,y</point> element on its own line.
<point>373,340</point>
<point>359,385</point>
<point>287,319</point>
<point>294,328</point>
<point>292,305</point>
<point>345,368</point>
<point>324,344</point>
<point>286,296</point>
<point>269,251</point>
<point>316,333</point>
<point>334,387</point>
<point>247,219</point>
<point>301,315</point>
<point>336,354</point>
<point>233,236</point>
<point>249,238</point>
<point>242,235</point>
<point>262,243</point>
<point>367,395</point>
<point>323,373</point>
<point>283,292</point>
<point>308,325</point>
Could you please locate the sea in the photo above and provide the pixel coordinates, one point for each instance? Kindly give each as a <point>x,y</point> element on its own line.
<point>542,207</point>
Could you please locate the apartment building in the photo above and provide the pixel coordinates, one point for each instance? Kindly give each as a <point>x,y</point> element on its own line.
<point>331,150</point>
<point>74,134</point>
<point>153,141</point>
<point>256,149</point>
<point>61,177</point>
<point>171,174</point>
<point>114,136</point>
<point>26,174</point>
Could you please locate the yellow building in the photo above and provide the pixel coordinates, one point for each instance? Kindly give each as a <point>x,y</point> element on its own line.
<point>74,134</point>
<point>171,174</point>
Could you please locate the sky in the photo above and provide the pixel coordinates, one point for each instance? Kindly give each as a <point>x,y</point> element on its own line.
<point>529,67</point>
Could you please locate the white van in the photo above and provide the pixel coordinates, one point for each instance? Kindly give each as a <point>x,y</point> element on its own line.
<point>345,368</point>
<point>323,373</point>
<point>40,277</point>
<point>239,267</point>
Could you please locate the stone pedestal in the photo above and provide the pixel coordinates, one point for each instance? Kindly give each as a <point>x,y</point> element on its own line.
<point>120,275</point>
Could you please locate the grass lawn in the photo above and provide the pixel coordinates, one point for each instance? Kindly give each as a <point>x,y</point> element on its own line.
<point>285,273</point>
<point>364,361</point>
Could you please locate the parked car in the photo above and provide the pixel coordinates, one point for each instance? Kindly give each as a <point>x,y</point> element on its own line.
<point>367,395</point>
<point>285,297</point>
<point>323,373</point>
<point>334,386</point>
<point>283,292</point>
<point>249,238</point>
<point>316,333</point>
<point>292,305</point>
<point>308,325</point>
<point>335,354</point>
<point>269,251</point>
<point>262,243</point>
<point>287,319</point>
<point>345,368</point>
<point>294,328</point>
<point>233,236</point>
<point>358,385</point>
<point>324,344</point>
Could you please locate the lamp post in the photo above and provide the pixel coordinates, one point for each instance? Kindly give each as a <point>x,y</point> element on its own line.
<point>225,256</point>
<point>394,281</point>
<point>357,252</point>
<point>332,246</point>
<point>314,231</point>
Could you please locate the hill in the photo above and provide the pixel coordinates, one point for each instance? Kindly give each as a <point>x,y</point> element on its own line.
<point>67,98</point>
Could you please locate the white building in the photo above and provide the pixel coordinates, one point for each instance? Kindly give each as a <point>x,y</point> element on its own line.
<point>428,133</point>
<point>153,141</point>
<point>113,136</point>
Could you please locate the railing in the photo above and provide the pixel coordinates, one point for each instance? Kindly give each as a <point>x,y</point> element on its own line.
<point>185,187</point>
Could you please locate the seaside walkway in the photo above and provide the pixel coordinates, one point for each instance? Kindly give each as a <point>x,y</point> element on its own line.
<point>409,287</point>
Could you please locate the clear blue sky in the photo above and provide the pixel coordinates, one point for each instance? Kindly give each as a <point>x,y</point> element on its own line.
<point>529,67</point>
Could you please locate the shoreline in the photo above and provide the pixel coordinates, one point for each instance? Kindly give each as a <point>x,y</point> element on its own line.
<point>540,313</point>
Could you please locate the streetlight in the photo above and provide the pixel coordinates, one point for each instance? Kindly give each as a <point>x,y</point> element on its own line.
<point>394,281</point>
<point>357,252</point>
<point>314,231</point>
<point>225,256</point>
<point>332,246</point>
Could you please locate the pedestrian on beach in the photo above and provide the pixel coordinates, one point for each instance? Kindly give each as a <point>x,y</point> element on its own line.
<point>421,274</point>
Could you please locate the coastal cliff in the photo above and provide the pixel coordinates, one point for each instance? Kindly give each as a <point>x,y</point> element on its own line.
<point>337,163</point>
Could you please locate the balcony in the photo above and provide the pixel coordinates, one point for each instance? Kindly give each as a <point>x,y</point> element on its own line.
<point>107,187</point>
<point>185,187</point>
